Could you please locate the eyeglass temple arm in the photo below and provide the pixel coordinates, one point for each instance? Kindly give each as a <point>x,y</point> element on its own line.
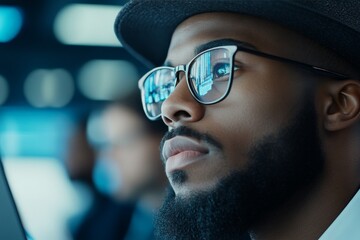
<point>318,70</point>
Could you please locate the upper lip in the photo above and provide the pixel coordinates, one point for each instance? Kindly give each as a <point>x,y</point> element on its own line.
<point>179,144</point>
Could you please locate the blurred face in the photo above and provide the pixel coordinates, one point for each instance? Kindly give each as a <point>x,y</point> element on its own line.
<point>237,160</point>
<point>132,152</point>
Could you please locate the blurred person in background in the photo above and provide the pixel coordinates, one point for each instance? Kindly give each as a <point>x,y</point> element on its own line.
<point>127,171</point>
<point>102,216</point>
<point>80,157</point>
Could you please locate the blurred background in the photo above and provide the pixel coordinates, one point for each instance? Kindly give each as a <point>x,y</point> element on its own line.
<point>59,62</point>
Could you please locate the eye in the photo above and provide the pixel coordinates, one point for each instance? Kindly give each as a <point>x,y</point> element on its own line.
<point>221,69</point>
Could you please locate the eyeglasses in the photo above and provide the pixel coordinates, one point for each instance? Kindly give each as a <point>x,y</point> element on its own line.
<point>209,76</point>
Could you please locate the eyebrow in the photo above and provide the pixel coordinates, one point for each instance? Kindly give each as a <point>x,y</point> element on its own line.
<point>217,43</point>
<point>223,42</point>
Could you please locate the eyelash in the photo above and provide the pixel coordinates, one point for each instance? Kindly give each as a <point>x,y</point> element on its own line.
<point>238,66</point>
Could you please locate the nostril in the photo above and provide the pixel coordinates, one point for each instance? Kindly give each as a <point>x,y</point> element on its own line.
<point>182,114</point>
<point>177,116</point>
<point>167,120</point>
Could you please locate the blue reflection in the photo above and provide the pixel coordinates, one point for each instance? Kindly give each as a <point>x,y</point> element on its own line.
<point>158,86</point>
<point>10,23</point>
<point>203,74</point>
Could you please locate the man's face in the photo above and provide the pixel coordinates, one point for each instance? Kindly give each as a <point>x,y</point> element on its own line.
<point>232,163</point>
<point>264,96</point>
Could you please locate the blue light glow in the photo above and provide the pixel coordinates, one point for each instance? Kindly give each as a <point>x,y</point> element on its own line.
<point>27,132</point>
<point>10,23</point>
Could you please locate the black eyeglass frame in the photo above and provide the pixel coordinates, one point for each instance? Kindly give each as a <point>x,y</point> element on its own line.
<point>233,49</point>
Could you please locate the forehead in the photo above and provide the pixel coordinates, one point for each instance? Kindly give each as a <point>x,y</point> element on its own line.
<point>262,34</point>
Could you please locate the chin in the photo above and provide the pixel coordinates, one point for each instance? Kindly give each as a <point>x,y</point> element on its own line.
<point>186,184</point>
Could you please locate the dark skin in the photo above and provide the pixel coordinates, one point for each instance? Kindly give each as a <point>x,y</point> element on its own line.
<point>264,97</point>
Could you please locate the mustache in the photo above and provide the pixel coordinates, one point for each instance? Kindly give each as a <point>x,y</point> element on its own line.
<point>189,132</point>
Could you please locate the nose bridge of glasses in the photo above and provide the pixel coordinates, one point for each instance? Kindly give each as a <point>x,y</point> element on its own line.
<point>178,69</point>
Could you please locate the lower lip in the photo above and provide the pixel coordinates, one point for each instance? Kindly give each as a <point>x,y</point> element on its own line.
<point>182,160</point>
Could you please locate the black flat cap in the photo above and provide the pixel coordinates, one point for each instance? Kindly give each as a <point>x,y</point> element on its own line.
<point>145,27</point>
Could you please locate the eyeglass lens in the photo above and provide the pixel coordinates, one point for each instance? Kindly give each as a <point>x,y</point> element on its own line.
<point>208,75</point>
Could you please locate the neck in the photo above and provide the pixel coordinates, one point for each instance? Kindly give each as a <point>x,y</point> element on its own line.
<point>306,217</point>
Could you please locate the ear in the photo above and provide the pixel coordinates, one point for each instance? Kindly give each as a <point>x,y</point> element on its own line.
<point>342,108</point>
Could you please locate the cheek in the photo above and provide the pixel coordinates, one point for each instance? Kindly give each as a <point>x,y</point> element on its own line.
<point>253,110</point>
<point>265,103</point>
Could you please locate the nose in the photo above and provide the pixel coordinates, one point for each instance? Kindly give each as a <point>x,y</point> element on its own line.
<point>180,107</point>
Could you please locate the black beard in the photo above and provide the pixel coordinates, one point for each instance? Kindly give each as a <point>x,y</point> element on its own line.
<point>280,166</point>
